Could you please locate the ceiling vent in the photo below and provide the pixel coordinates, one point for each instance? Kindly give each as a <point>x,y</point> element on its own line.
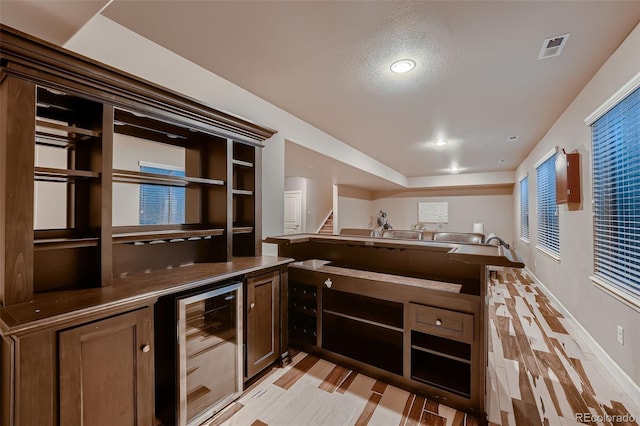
<point>553,46</point>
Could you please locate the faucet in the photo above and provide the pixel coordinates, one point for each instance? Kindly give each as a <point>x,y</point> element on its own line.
<point>500,240</point>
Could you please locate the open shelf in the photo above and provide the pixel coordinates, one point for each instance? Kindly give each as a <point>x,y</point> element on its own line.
<point>373,345</point>
<point>441,372</point>
<point>242,229</point>
<point>64,243</point>
<point>362,308</point>
<point>130,176</point>
<point>170,235</point>
<point>242,163</point>
<point>453,349</point>
<point>62,175</point>
<point>73,131</point>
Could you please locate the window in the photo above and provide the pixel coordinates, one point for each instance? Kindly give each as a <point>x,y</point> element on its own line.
<point>160,204</point>
<point>616,195</point>
<point>548,226</point>
<point>524,208</point>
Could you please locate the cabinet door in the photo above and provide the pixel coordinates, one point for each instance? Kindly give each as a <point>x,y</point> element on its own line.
<point>106,371</point>
<point>263,325</point>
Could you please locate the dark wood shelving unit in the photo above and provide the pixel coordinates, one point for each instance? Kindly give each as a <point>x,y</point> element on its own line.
<point>65,120</point>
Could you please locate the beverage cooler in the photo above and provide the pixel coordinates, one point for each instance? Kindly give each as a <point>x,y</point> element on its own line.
<point>200,367</point>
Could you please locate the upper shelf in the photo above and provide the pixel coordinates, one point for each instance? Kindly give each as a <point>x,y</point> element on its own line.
<point>242,163</point>
<point>166,235</point>
<point>130,176</point>
<point>73,131</point>
<point>113,86</point>
<point>62,175</point>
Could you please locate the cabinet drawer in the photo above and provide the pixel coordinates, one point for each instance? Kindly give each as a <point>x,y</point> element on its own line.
<point>441,322</point>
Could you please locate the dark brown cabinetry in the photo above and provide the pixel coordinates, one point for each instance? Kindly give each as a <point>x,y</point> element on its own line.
<point>441,342</point>
<point>418,333</point>
<point>263,321</point>
<point>106,371</point>
<point>114,193</point>
<point>104,175</point>
<point>567,178</point>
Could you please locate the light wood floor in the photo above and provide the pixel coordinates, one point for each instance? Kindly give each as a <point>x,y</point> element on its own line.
<point>541,373</point>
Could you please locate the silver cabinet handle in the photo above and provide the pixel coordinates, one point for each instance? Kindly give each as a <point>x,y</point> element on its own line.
<point>253,305</point>
<point>328,283</point>
<point>438,322</point>
<point>146,348</point>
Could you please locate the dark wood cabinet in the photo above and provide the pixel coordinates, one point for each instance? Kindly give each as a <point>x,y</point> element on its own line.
<point>85,149</point>
<point>568,178</point>
<point>106,371</point>
<point>263,322</point>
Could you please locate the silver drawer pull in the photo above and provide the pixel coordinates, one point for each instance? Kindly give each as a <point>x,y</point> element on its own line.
<point>438,322</point>
<point>146,348</point>
<point>328,283</point>
<point>253,305</point>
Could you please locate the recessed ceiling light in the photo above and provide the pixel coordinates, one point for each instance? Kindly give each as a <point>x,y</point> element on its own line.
<point>442,142</point>
<point>502,161</point>
<point>402,66</point>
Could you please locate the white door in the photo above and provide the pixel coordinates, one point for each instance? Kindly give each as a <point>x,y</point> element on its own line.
<point>292,212</point>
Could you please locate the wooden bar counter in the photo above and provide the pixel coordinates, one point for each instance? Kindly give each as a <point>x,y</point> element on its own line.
<point>412,313</point>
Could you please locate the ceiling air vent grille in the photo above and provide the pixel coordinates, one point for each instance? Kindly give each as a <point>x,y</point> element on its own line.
<point>553,46</point>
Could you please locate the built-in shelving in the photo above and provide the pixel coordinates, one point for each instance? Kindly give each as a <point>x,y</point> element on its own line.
<point>169,235</point>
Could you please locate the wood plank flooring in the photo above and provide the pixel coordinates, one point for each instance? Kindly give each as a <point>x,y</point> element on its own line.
<point>540,371</point>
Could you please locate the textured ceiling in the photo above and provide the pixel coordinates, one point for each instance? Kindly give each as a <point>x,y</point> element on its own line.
<point>477,80</point>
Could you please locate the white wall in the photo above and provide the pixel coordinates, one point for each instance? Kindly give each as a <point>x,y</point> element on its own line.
<point>495,211</point>
<point>354,208</point>
<point>598,312</point>
<point>128,151</point>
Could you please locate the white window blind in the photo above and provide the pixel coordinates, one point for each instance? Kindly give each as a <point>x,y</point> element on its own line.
<point>616,195</point>
<point>548,225</point>
<point>160,204</point>
<point>524,208</point>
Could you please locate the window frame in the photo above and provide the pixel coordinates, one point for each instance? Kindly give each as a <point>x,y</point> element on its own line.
<point>542,244</point>
<point>524,212</point>
<point>172,170</point>
<point>618,289</point>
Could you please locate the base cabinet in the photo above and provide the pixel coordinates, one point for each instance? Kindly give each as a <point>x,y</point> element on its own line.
<point>263,322</point>
<point>106,371</point>
<point>419,334</point>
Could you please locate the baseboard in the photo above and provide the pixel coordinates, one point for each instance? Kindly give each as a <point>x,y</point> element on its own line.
<point>623,379</point>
